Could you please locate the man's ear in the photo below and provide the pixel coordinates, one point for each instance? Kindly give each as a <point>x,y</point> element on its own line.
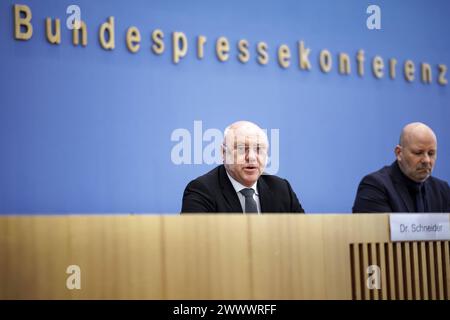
<point>398,152</point>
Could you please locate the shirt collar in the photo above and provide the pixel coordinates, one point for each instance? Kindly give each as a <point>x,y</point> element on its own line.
<point>238,186</point>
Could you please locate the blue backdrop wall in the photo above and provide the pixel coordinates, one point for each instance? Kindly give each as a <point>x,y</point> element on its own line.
<point>86,130</point>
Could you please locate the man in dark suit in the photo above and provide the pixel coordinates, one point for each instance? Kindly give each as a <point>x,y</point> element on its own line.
<point>239,185</point>
<point>407,184</point>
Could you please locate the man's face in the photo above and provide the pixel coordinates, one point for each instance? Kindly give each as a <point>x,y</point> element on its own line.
<point>245,154</point>
<point>417,157</point>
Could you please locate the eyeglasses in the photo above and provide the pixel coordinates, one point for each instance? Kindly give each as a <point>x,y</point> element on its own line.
<point>242,149</point>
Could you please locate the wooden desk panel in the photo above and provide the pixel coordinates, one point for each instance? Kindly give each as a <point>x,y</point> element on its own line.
<point>211,257</point>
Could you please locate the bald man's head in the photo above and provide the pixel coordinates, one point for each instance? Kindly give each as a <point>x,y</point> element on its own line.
<point>244,152</point>
<point>251,128</point>
<point>417,150</point>
<point>413,130</point>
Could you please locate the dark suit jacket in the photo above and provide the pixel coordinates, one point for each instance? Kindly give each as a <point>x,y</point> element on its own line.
<point>386,191</point>
<point>213,192</point>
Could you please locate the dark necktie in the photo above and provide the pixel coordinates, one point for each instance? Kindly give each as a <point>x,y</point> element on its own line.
<point>419,199</point>
<point>250,203</point>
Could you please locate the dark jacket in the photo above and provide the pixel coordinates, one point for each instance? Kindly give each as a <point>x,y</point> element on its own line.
<point>387,190</point>
<point>214,193</point>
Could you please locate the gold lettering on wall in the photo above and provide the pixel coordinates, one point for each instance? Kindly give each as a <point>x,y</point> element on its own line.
<point>344,63</point>
<point>23,30</point>
<point>201,40</point>
<point>133,39</point>
<point>409,70</point>
<point>284,56</point>
<point>76,35</point>
<point>392,64</point>
<point>303,56</point>
<point>377,67</point>
<point>426,73</point>
<point>222,49</point>
<point>442,72</point>
<point>179,46</point>
<point>244,54</point>
<point>107,27</point>
<point>158,43</point>
<point>360,62</point>
<point>22,22</point>
<point>325,60</point>
<point>263,57</point>
<point>53,36</point>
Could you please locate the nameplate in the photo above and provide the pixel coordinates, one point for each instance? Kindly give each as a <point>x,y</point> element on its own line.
<point>419,227</point>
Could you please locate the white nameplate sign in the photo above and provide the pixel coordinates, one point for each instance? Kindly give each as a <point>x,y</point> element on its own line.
<point>418,226</point>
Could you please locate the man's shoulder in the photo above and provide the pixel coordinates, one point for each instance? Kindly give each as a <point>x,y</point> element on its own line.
<point>271,177</point>
<point>273,180</point>
<point>380,175</point>
<point>442,184</point>
<point>200,195</point>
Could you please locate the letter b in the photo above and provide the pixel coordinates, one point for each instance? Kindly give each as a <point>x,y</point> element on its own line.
<point>22,22</point>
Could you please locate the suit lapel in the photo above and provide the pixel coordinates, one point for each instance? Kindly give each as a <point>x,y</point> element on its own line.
<point>228,191</point>
<point>266,199</point>
<point>405,196</point>
<point>402,189</point>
